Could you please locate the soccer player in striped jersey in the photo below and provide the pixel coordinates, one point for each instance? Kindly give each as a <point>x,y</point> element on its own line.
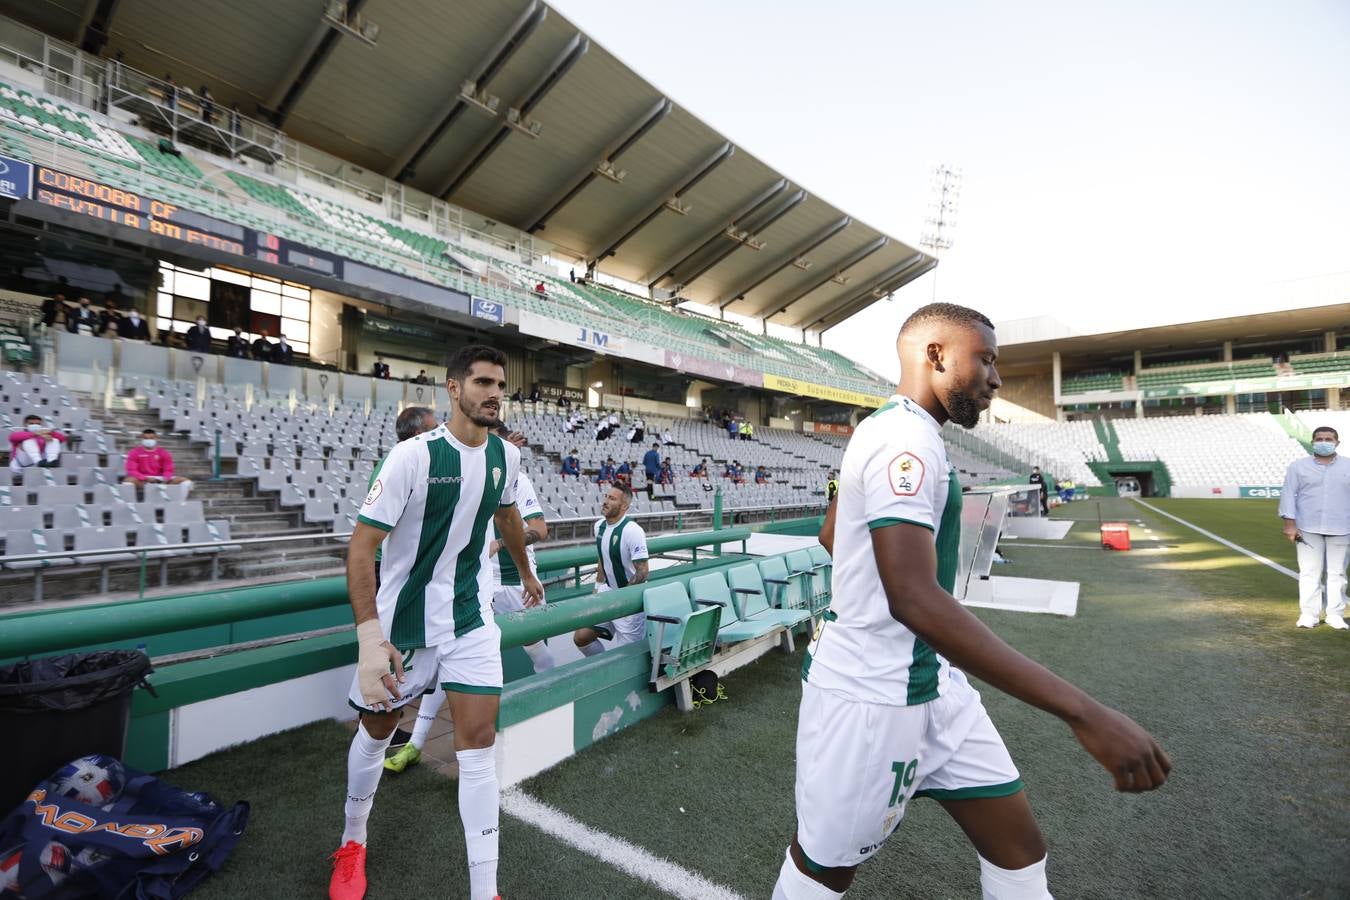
<point>429,626</point>
<point>885,714</point>
<point>621,551</point>
<point>509,596</point>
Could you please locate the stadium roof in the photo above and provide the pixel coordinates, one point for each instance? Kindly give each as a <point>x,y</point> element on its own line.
<point>616,171</point>
<point>1021,356</point>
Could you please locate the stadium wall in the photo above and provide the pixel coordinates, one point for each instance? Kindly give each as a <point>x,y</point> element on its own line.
<point>1033,392</point>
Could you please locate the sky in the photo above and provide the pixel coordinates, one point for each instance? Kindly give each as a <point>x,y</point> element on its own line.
<point>1123,164</point>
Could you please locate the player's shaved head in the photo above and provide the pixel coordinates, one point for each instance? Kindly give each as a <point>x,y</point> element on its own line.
<point>947,355</point>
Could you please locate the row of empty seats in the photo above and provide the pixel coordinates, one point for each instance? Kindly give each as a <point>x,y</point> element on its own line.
<point>1248,449</point>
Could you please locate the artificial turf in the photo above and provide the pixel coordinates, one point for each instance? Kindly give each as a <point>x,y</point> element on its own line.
<point>1193,640</point>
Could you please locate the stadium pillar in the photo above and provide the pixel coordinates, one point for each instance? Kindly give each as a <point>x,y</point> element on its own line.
<point>1057,374</point>
<point>1333,394</point>
<point>1229,402</point>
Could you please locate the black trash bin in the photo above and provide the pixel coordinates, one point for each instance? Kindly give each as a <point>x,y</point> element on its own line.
<point>60,708</point>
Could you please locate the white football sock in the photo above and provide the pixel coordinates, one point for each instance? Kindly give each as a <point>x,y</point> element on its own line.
<point>593,648</point>
<point>365,762</point>
<point>426,717</point>
<point>793,884</point>
<point>1014,884</point>
<point>479,802</point>
<point>540,656</point>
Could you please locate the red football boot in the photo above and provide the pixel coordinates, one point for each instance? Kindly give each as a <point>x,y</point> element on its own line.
<point>349,872</point>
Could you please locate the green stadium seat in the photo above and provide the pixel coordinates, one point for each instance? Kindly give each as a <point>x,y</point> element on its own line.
<point>681,640</point>
<point>799,562</point>
<point>825,565</point>
<point>748,584</point>
<point>712,589</point>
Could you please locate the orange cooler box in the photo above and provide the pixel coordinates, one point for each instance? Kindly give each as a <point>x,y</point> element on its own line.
<point>1116,535</point>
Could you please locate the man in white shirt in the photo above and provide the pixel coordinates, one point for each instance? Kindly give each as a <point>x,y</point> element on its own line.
<point>885,714</point>
<point>621,551</point>
<point>1315,507</point>
<point>429,625</point>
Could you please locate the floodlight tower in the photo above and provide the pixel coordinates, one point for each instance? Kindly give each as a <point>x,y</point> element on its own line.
<point>941,220</point>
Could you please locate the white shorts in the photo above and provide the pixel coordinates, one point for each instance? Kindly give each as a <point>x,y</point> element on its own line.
<point>858,765</point>
<point>471,664</point>
<point>628,630</point>
<point>508,598</point>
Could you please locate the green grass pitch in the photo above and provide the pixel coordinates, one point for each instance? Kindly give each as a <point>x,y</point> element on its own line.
<point>1192,639</point>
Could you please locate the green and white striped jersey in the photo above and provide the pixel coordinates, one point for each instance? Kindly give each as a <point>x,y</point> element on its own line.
<point>620,546</point>
<point>436,497</point>
<point>895,471</point>
<point>504,571</point>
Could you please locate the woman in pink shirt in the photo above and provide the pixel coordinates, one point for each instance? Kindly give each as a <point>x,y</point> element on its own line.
<point>151,464</point>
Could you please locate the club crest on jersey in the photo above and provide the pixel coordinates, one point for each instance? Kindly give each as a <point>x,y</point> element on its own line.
<point>905,473</point>
<point>496,476</point>
<point>376,490</point>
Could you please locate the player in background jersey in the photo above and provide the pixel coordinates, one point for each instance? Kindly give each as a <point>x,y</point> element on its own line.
<point>430,623</point>
<point>884,715</point>
<point>509,596</point>
<point>621,549</point>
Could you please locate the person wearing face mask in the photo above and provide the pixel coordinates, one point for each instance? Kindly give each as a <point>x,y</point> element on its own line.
<point>133,327</point>
<point>110,318</point>
<point>82,319</point>
<point>237,345</point>
<point>282,351</point>
<point>34,445</point>
<point>199,337</point>
<point>150,463</point>
<point>1315,507</point>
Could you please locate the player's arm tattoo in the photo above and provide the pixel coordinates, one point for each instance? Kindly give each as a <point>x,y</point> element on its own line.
<point>640,572</point>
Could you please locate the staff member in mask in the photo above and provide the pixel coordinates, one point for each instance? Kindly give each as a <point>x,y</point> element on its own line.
<point>199,337</point>
<point>132,327</point>
<point>1315,507</point>
<point>152,464</point>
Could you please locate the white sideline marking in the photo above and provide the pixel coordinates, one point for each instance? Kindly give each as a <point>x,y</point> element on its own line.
<point>1227,543</point>
<point>629,858</point>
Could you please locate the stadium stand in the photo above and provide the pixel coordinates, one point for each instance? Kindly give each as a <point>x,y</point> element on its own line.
<point>1061,448</point>
<point>360,229</point>
<point>1167,376</point>
<point>1247,449</point>
<point>1097,381</point>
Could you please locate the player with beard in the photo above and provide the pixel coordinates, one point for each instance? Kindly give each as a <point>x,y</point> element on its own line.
<point>429,625</point>
<point>885,714</point>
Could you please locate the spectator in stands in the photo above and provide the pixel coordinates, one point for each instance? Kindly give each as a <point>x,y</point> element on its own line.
<point>624,473</point>
<point>516,396</point>
<point>82,319</point>
<point>132,327</point>
<point>733,429</point>
<point>234,119</point>
<point>667,438</point>
<point>607,472</point>
<point>572,275</point>
<point>237,345</point>
<point>52,307</point>
<point>571,465</point>
<point>381,369</point>
<point>762,475</point>
<point>208,108</point>
<point>699,471</point>
<point>199,337</point>
<point>832,486</point>
<point>667,473</point>
<point>1315,507</point>
<point>35,445</point>
<point>539,288</point>
<point>262,348</point>
<point>170,91</point>
<point>651,462</point>
<point>110,318</point>
<point>637,432</point>
<point>283,352</point>
<point>534,394</point>
<point>743,430</point>
<point>423,379</point>
<point>1038,478</point>
<point>151,464</point>
<point>736,472</point>
<point>621,562</point>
